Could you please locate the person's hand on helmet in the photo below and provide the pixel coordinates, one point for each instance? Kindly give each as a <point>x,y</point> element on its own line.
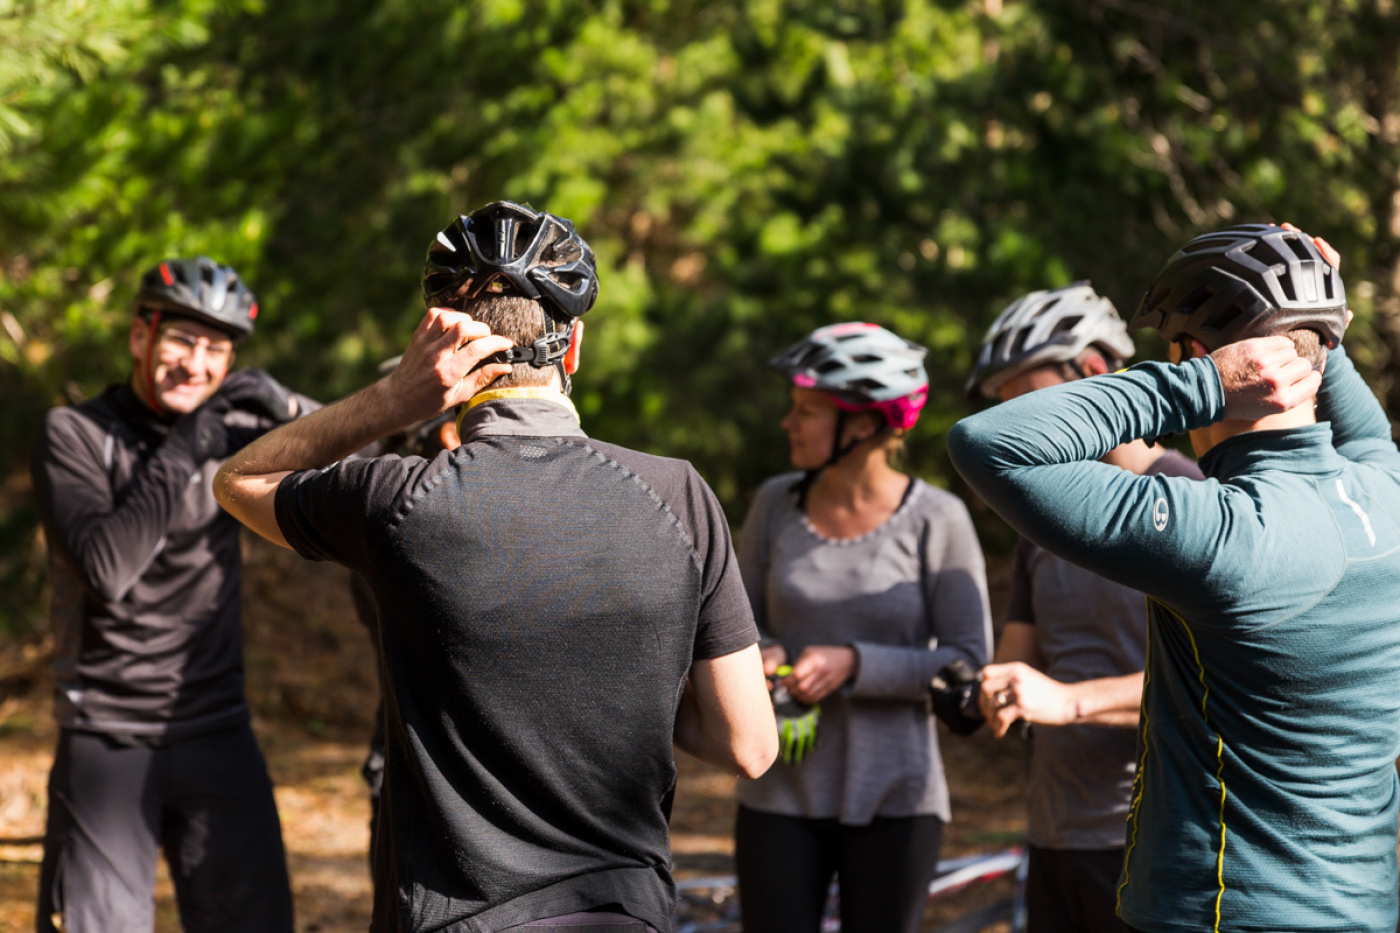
<point>1263,376</point>
<point>254,391</point>
<point>439,368</point>
<point>202,435</point>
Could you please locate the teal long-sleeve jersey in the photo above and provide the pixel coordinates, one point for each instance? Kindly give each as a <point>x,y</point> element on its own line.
<point>1266,793</point>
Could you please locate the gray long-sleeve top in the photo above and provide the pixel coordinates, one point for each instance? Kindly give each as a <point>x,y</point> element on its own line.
<point>910,597</point>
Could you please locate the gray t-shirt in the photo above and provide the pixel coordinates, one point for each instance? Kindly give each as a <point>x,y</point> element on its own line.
<point>1087,627</point>
<point>910,597</point>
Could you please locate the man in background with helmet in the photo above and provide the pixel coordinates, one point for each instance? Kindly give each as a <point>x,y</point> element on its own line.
<point>155,748</point>
<point>554,611</point>
<point>1071,655</point>
<point>1266,795</point>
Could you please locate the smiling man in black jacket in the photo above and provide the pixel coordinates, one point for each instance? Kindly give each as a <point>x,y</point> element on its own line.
<point>155,748</point>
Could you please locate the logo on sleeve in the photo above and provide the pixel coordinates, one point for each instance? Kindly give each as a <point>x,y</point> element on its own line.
<point>1160,514</point>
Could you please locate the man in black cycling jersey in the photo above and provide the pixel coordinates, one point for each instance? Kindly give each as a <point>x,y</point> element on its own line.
<point>1072,652</point>
<point>155,748</point>
<point>1266,794</point>
<point>555,611</point>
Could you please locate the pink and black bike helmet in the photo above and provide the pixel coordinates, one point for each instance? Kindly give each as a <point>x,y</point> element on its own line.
<point>862,367</point>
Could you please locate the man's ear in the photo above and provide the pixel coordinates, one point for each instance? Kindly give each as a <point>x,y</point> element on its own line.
<point>571,356</point>
<point>1092,364</point>
<point>136,340</point>
<point>448,436</point>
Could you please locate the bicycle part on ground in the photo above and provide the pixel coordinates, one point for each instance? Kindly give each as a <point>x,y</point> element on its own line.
<point>1046,327</point>
<point>256,392</point>
<point>509,249</point>
<point>797,721</point>
<point>953,695</point>
<point>1253,280</point>
<point>202,435</point>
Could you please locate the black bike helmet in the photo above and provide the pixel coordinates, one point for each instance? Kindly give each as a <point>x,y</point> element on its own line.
<point>200,289</point>
<point>1254,280</point>
<point>1044,327</point>
<point>506,248</point>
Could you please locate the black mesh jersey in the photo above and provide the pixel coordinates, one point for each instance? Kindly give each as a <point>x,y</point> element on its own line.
<point>541,597</point>
<point>145,569</point>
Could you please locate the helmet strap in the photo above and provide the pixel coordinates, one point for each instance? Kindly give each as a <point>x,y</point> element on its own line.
<point>838,453</point>
<point>149,380</point>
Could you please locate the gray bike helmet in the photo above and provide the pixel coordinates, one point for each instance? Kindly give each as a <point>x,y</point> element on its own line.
<point>1046,327</point>
<point>862,367</point>
<point>1254,280</point>
<point>200,289</point>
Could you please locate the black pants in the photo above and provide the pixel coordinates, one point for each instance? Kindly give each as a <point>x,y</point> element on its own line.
<point>785,865</point>
<point>1073,891</point>
<point>206,800</point>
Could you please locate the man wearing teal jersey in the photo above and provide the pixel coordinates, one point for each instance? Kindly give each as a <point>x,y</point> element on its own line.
<point>1266,793</point>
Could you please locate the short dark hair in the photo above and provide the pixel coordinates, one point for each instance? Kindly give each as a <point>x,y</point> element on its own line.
<point>520,320</point>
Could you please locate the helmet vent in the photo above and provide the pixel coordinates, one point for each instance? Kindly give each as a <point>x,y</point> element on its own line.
<point>1066,324</point>
<point>830,366</point>
<point>1299,250</point>
<point>870,385</point>
<point>1047,306</point>
<point>865,358</point>
<point>1202,244</point>
<point>1266,254</point>
<point>1019,344</point>
<point>1223,318</point>
<point>1192,302</point>
<point>1285,282</point>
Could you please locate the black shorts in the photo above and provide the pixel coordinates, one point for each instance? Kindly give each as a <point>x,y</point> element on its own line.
<point>207,801</point>
<point>1073,890</point>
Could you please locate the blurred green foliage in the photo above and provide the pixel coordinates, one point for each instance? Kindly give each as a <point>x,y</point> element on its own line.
<point>745,172</point>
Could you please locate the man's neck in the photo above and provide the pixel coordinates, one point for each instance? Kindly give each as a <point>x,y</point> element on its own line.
<point>1203,439</point>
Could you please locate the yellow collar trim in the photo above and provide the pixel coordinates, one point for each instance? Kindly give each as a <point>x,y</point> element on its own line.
<point>548,393</point>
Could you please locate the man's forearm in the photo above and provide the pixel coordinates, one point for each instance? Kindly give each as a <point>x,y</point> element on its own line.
<point>322,437</point>
<point>1108,701</point>
<point>247,483</point>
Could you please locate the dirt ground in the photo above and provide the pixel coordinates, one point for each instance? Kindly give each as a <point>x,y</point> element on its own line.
<point>311,683</point>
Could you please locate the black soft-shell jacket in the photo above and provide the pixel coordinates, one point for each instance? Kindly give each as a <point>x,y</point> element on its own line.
<point>146,572</point>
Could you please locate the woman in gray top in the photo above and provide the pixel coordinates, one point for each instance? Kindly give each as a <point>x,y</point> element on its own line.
<point>865,582</point>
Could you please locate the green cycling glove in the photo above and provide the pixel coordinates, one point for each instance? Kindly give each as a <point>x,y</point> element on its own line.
<point>797,722</point>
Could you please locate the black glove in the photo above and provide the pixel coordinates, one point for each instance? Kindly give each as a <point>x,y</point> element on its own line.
<point>202,435</point>
<point>953,692</point>
<point>254,391</point>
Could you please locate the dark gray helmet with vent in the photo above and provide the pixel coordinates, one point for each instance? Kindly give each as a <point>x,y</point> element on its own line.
<point>1047,327</point>
<point>862,367</point>
<point>507,248</point>
<point>1254,280</point>
<point>200,289</point>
